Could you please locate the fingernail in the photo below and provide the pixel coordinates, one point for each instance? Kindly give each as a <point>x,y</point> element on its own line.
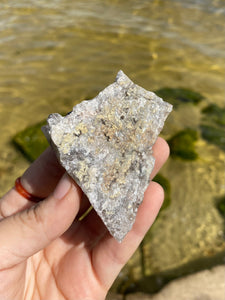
<point>63,187</point>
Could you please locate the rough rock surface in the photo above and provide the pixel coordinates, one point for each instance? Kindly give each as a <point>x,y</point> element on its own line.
<point>105,144</point>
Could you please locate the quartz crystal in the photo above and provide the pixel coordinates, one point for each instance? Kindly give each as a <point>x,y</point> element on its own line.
<point>105,145</point>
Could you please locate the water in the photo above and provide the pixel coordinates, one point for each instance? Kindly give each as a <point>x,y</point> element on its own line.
<point>55,53</point>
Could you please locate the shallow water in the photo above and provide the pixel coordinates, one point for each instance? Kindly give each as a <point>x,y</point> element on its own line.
<point>55,53</point>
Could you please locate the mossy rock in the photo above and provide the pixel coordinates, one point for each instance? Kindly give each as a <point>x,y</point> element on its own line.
<point>164,182</point>
<point>215,114</point>
<point>31,141</point>
<point>176,96</point>
<point>182,144</point>
<point>213,135</point>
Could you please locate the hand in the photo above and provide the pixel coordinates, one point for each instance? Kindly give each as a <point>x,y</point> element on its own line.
<point>46,253</point>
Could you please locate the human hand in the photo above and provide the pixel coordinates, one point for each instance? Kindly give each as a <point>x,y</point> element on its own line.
<point>46,253</point>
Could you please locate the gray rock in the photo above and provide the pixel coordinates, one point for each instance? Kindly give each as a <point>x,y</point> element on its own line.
<point>105,145</point>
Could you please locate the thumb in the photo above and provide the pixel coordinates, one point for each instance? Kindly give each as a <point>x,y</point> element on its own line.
<point>29,231</point>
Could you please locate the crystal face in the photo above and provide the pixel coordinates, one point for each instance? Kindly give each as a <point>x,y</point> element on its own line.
<point>105,145</point>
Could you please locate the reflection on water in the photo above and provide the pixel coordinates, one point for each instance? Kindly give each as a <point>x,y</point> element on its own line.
<point>54,53</point>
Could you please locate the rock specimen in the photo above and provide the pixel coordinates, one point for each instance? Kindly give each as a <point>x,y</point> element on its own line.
<point>105,145</point>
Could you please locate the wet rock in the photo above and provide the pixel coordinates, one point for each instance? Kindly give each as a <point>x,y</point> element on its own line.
<point>177,96</point>
<point>182,144</point>
<point>105,144</point>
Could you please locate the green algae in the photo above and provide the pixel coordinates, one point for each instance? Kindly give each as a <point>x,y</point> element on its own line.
<point>182,144</point>
<point>176,96</point>
<point>31,141</point>
<point>213,125</point>
<point>164,182</point>
<point>215,113</point>
<point>213,135</point>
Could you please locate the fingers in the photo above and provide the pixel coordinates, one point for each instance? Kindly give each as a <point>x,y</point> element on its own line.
<point>109,256</point>
<point>27,232</point>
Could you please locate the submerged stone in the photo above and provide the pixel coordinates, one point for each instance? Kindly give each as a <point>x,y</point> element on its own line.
<point>182,144</point>
<point>105,145</point>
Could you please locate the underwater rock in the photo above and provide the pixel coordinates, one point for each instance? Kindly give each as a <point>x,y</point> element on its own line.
<point>105,145</point>
<point>182,144</point>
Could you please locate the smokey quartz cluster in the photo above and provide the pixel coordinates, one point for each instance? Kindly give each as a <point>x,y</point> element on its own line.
<point>105,145</point>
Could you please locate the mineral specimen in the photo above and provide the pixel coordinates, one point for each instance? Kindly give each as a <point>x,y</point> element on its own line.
<point>105,145</point>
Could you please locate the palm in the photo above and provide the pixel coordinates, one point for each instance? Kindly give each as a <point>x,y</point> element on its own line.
<point>70,265</point>
<point>62,270</point>
<point>68,273</point>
